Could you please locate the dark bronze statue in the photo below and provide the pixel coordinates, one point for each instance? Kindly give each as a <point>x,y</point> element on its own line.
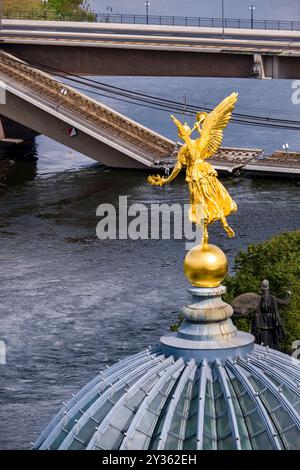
<point>266,323</point>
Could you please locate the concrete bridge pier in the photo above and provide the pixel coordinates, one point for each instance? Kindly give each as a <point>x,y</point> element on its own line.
<point>12,132</point>
<point>281,67</point>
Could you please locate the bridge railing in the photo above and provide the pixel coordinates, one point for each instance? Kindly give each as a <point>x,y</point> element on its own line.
<point>209,22</point>
<point>166,20</point>
<point>65,97</point>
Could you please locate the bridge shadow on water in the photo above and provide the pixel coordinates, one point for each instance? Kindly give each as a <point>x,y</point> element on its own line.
<point>18,164</point>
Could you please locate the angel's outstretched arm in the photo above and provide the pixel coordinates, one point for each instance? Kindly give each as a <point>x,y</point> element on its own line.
<point>284,301</point>
<point>160,181</point>
<point>176,170</point>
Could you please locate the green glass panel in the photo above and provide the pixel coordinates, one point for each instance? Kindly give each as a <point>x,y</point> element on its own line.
<point>110,439</point>
<point>147,422</point>
<point>255,423</point>
<point>282,418</point>
<point>223,426</point>
<point>262,442</point>
<point>226,444</point>
<point>77,446</point>
<point>190,444</point>
<point>122,418</point>
<point>103,411</point>
<point>138,441</point>
<point>176,424</point>
<point>172,443</point>
<point>191,428</point>
<point>292,438</point>
<point>209,444</point>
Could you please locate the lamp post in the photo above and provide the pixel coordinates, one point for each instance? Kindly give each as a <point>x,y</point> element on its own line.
<point>61,93</point>
<point>45,3</point>
<point>252,8</point>
<point>147,5</point>
<point>1,14</point>
<point>223,19</point>
<point>286,147</point>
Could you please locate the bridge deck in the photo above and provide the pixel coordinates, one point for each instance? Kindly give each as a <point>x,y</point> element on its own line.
<point>149,29</point>
<point>146,50</point>
<point>278,164</point>
<point>134,140</point>
<point>40,102</point>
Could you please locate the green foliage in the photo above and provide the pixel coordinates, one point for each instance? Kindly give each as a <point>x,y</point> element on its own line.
<point>24,5</point>
<point>54,9</point>
<point>277,260</point>
<point>70,9</point>
<point>64,5</point>
<point>243,324</point>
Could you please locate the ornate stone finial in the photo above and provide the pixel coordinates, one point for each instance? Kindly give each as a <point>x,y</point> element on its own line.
<point>207,331</point>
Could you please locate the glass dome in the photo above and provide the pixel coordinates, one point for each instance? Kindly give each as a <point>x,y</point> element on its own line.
<point>207,386</point>
<point>150,401</point>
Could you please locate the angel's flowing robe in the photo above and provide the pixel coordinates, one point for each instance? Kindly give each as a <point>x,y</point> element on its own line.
<point>209,199</point>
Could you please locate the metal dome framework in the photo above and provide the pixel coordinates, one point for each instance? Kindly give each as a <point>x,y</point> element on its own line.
<point>150,401</point>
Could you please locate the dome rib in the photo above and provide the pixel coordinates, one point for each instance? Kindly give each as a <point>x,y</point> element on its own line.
<point>275,365</point>
<point>131,374</point>
<point>173,373</point>
<point>270,385</point>
<point>278,374</point>
<point>187,375</point>
<point>275,412</point>
<point>280,360</point>
<point>151,401</point>
<point>94,387</point>
<point>272,433</point>
<point>137,386</point>
<point>228,400</point>
<point>201,403</point>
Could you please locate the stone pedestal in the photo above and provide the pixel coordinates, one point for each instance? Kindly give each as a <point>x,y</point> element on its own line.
<point>207,330</point>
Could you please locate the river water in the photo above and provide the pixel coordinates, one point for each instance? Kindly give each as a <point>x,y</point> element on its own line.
<point>70,303</point>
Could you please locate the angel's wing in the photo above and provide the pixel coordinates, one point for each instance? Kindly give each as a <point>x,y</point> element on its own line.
<point>212,129</point>
<point>245,304</point>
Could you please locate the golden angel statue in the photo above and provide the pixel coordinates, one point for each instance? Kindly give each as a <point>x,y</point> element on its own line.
<point>209,200</point>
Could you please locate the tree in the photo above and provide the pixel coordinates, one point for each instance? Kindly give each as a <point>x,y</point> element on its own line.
<point>277,260</point>
<point>25,5</point>
<point>65,9</point>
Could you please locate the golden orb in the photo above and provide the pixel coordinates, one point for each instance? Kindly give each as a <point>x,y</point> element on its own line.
<point>205,266</point>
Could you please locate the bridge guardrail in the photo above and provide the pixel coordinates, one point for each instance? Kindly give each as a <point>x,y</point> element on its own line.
<point>166,20</point>
<point>149,143</point>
